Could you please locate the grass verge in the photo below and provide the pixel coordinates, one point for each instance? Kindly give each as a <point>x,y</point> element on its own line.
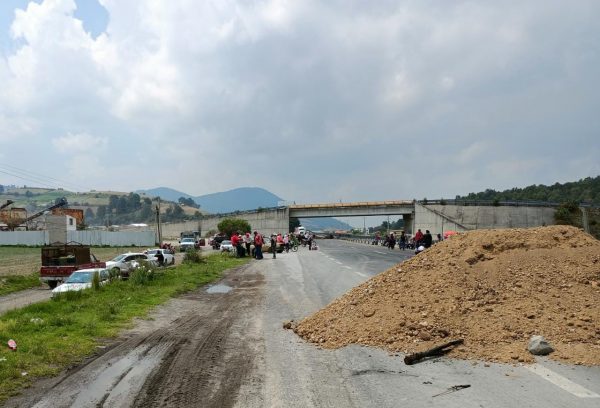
<point>55,334</point>
<point>10,284</point>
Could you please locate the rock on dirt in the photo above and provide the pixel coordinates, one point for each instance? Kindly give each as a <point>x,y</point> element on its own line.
<point>539,346</point>
<point>494,288</point>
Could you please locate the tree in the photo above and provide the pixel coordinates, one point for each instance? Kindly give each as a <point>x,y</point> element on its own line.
<point>101,212</point>
<point>230,225</point>
<point>294,222</point>
<point>188,201</point>
<point>89,213</point>
<point>178,212</point>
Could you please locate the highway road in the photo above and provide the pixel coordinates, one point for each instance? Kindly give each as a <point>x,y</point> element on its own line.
<point>224,346</point>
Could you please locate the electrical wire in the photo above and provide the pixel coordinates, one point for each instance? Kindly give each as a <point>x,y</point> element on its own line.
<point>31,176</point>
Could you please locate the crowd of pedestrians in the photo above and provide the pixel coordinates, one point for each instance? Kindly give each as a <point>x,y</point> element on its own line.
<point>420,239</point>
<point>252,245</point>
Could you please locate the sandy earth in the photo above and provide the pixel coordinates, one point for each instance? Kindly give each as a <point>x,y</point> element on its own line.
<point>492,288</point>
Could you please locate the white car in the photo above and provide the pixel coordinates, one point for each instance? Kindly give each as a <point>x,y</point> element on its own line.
<point>187,243</point>
<point>125,263</point>
<point>226,246</point>
<point>169,258</point>
<point>81,279</point>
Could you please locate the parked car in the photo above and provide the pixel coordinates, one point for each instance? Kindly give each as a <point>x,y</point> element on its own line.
<point>169,258</point>
<point>215,241</point>
<point>82,279</point>
<point>124,263</point>
<point>187,243</point>
<point>226,246</point>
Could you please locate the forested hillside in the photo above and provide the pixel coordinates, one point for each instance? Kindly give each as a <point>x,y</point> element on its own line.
<point>586,190</point>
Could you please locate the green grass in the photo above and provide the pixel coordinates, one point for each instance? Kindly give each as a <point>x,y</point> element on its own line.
<point>55,334</point>
<point>10,284</point>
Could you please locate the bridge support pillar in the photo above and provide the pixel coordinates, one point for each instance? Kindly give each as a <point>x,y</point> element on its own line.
<point>408,222</point>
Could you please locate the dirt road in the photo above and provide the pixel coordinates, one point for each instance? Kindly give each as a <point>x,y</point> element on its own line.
<point>199,347</point>
<point>23,298</point>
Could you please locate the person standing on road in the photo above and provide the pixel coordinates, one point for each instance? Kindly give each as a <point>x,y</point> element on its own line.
<point>418,238</point>
<point>274,245</point>
<point>310,241</point>
<point>427,239</point>
<point>286,243</point>
<point>247,242</point>
<point>235,242</point>
<point>402,241</point>
<point>258,243</point>
<point>392,241</point>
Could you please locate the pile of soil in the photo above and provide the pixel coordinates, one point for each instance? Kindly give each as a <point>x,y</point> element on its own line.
<point>492,288</point>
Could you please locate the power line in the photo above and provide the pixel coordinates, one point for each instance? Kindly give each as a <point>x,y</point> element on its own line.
<point>47,181</point>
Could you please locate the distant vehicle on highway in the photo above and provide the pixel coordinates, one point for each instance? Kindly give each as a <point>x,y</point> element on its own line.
<point>82,279</point>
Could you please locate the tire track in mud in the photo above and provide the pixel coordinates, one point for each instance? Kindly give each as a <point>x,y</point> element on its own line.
<point>200,358</point>
<point>209,361</point>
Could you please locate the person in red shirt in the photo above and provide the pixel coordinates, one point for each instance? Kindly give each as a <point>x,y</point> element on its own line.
<point>418,238</point>
<point>235,242</point>
<point>258,243</point>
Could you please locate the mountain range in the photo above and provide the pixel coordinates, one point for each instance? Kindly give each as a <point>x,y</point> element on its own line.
<point>242,199</point>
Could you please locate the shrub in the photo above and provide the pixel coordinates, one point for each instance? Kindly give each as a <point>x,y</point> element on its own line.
<point>142,275</point>
<point>96,281</point>
<point>192,256</point>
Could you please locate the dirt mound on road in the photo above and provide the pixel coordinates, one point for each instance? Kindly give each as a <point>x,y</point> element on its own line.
<point>493,288</point>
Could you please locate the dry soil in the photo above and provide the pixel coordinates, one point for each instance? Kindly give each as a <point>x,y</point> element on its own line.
<point>492,288</point>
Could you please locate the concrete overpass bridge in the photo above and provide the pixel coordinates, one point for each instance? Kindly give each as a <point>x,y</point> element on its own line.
<point>436,216</point>
<point>274,220</point>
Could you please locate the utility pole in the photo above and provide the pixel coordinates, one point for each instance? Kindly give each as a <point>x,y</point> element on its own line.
<point>158,229</point>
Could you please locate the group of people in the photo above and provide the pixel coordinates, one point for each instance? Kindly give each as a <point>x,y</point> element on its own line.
<point>243,243</point>
<point>420,239</point>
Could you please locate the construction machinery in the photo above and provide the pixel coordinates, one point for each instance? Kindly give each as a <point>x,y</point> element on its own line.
<point>17,217</point>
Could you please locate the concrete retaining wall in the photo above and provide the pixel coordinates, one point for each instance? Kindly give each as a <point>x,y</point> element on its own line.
<point>266,222</point>
<point>440,218</point>
<point>172,230</point>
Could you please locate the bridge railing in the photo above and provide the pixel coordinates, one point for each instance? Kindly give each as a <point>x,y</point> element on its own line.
<point>497,203</point>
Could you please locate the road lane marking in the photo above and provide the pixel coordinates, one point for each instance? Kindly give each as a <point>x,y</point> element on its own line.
<point>347,267</point>
<point>379,252</point>
<point>361,274</point>
<point>337,262</point>
<point>561,381</point>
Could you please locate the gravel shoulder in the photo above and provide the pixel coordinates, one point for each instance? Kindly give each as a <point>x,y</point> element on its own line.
<point>23,298</point>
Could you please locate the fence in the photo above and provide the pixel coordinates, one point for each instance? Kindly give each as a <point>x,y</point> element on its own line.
<point>95,238</point>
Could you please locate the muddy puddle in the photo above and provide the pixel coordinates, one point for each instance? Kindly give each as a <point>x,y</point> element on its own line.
<point>220,288</point>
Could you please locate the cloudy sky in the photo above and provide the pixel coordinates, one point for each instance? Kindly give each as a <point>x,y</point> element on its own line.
<point>315,101</point>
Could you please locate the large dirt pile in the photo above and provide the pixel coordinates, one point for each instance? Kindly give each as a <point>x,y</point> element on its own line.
<point>493,288</point>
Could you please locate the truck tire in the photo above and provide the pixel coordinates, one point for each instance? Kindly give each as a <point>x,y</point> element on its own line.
<point>52,284</point>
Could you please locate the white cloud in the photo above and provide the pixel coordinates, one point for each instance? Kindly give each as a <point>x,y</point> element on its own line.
<point>435,90</point>
<point>79,143</point>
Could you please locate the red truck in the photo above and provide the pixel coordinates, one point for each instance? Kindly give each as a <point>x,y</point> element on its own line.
<point>60,261</point>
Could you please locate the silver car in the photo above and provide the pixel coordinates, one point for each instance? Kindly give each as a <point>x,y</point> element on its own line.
<point>125,263</point>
